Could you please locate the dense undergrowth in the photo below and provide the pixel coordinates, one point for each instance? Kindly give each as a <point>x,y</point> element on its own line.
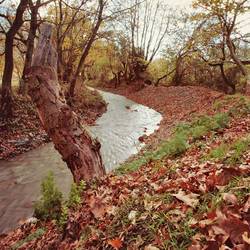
<point>190,193</point>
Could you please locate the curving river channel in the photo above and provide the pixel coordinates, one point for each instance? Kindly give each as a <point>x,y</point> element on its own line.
<point>118,131</point>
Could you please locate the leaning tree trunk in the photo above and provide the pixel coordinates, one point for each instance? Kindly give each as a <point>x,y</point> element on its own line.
<point>78,149</point>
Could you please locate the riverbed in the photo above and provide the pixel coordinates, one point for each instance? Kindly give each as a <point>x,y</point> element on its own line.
<point>118,130</point>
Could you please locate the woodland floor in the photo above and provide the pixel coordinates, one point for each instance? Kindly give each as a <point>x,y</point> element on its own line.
<point>24,132</point>
<point>192,192</point>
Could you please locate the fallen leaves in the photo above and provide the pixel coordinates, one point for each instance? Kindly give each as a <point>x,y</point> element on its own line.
<point>97,206</point>
<point>115,243</point>
<point>230,198</point>
<point>151,247</point>
<point>185,201</point>
<point>247,206</point>
<point>189,199</point>
<point>246,237</point>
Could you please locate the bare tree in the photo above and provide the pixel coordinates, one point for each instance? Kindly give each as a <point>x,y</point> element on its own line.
<point>147,24</point>
<point>6,101</point>
<point>66,18</point>
<point>228,25</point>
<point>87,45</point>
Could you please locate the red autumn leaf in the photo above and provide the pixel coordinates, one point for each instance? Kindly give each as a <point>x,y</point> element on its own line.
<point>226,176</point>
<point>235,228</point>
<point>211,181</point>
<point>212,245</point>
<point>212,215</point>
<point>115,243</point>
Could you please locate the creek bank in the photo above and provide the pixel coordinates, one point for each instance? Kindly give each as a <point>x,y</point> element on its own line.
<point>118,130</point>
<point>184,201</point>
<point>24,132</point>
<point>175,103</point>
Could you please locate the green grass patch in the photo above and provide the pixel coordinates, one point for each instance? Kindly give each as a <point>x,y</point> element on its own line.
<point>179,142</point>
<point>230,153</point>
<point>219,153</point>
<point>237,103</point>
<point>147,221</point>
<point>37,234</point>
<point>239,148</point>
<point>173,147</point>
<point>239,186</point>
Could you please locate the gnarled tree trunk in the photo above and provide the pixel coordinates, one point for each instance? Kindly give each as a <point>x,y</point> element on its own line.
<point>78,149</point>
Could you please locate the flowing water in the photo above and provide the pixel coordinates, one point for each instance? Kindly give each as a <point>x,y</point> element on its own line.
<point>118,131</point>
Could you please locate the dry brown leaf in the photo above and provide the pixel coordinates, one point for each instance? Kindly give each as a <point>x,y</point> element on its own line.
<point>218,230</point>
<point>247,205</point>
<point>132,216</point>
<point>149,205</point>
<point>189,199</point>
<point>246,237</point>
<point>97,207</point>
<point>204,223</point>
<point>230,198</point>
<point>235,228</point>
<point>151,247</point>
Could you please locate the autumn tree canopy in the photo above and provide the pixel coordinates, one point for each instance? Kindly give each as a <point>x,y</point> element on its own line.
<point>107,42</point>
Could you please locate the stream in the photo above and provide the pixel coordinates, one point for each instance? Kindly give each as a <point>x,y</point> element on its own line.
<point>118,131</point>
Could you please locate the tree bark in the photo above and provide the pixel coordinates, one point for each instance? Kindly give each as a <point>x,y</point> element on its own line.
<point>177,78</point>
<point>71,139</point>
<point>7,100</point>
<point>225,79</point>
<point>164,76</point>
<point>235,58</point>
<point>30,46</point>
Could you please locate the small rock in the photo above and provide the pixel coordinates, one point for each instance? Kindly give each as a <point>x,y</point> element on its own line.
<point>31,220</point>
<point>142,138</point>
